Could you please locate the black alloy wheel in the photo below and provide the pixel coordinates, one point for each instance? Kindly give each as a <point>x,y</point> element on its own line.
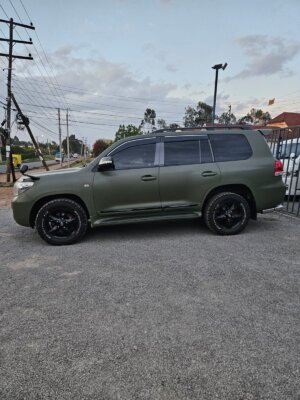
<point>61,221</point>
<point>227,213</point>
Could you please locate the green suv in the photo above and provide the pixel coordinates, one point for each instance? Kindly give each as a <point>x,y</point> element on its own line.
<point>224,175</point>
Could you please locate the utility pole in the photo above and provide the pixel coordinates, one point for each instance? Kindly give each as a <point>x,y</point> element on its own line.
<point>25,121</point>
<point>68,142</point>
<point>59,132</point>
<point>11,57</point>
<point>82,147</point>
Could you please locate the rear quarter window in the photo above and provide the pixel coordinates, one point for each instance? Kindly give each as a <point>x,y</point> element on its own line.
<point>230,147</point>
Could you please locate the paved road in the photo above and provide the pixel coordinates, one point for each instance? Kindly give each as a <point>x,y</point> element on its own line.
<point>31,165</point>
<point>151,311</point>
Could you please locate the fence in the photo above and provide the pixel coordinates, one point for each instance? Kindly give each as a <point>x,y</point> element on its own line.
<point>285,146</point>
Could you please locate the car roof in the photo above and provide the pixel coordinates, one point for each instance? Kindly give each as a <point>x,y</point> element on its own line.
<point>191,131</point>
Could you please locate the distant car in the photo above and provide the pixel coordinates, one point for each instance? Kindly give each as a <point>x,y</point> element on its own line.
<point>59,156</point>
<point>75,155</point>
<point>288,152</point>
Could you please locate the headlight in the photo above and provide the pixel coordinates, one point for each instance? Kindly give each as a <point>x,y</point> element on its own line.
<point>21,186</point>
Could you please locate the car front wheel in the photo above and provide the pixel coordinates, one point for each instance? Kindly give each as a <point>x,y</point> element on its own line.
<point>227,213</point>
<point>61,222</point>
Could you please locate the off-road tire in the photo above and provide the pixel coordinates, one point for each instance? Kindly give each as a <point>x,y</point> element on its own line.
<point>57,218</point>
<point>227,213</point>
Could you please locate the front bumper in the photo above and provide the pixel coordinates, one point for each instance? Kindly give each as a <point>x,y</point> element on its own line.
<point>21,210</point>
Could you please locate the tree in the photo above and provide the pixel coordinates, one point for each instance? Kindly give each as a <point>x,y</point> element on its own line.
<point>227,118</point>
<point>161,123</point>
<point>199,116</point>
<point>99,146</point>
<point>129,130</point>
<point>255,116</point>
<point>74,144</point>
<point>148,123</point>
<point>174,126</point>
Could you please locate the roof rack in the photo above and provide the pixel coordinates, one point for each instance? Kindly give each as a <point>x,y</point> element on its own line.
<point>207,128</point>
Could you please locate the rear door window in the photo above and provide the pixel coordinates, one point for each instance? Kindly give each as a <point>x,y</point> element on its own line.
<point>187,151</point>
<point>182,152</point>
<point>230,147</point>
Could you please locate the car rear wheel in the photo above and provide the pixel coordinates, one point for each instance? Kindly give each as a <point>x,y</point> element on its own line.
<point>227,213</point>
<point>61,222</point>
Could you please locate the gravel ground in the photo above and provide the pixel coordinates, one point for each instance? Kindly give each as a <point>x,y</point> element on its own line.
<point>151,311</point>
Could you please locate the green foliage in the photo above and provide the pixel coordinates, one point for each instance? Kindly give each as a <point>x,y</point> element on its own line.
<point>161,123</point>
<point>199,116</point>
<point>26,152</point>
<point>148,123</point>
<point>227,119</point>
<point>124,132</point>
<point>149,116</point>
<point>75,145</point>
<point>174,126</point>
<point>256,117</point>
<point>99,146</point>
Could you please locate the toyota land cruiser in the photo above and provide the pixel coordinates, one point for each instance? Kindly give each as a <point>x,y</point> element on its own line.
<point>224,175</point>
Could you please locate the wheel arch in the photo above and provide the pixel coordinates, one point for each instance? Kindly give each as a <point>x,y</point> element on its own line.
<point>240,189</point>
<point>45,200</point>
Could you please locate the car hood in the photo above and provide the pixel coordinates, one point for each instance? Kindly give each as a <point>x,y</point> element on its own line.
<point>55,172</point>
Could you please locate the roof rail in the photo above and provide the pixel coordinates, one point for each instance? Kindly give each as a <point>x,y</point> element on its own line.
<point>207,128</point>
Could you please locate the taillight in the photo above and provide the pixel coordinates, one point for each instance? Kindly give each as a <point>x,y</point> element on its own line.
<point>278,168</point>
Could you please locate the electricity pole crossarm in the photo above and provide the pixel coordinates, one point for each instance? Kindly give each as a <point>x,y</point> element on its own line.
<point>16,41</point>
<point>18,24</point>
<point>14,56</point>
<point>26,123</point>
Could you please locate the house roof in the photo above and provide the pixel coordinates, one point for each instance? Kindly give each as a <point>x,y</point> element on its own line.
<point>291,119</point>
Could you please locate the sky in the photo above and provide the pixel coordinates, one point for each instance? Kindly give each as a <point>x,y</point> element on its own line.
<point>107,61</point>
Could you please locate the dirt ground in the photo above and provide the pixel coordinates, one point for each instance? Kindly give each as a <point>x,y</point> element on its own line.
<point>6,194</point>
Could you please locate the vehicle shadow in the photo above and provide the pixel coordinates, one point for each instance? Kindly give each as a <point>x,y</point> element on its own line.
<point>140,231</point>
<point>169,229</point>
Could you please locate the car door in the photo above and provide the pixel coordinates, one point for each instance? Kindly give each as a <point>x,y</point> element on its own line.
<point>132,186</point>
<point>187,172</point>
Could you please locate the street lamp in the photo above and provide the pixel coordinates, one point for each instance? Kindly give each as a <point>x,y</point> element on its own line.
<point>216,67</point>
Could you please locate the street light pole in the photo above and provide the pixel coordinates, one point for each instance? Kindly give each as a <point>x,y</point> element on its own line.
<point>216,67</point>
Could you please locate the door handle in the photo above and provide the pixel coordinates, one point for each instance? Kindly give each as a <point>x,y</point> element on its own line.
<point>148,178</point>
<point>209,173</point>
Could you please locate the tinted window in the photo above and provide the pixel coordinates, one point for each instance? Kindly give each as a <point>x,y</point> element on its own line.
<point>182,152</point>
<point>230,147</point>
<point>140,156</point>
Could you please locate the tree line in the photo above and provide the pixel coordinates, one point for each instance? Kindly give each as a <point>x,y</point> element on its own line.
<point>194,117</point>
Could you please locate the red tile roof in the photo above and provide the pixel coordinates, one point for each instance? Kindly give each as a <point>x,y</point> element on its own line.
<point>291,119</point>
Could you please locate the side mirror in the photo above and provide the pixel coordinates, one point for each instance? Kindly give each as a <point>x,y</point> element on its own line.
<point>106,164</point>
<point>23,169</point>
<point>292,155</point>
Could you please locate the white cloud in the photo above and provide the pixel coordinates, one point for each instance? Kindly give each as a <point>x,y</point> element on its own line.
<point>267,55</point>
